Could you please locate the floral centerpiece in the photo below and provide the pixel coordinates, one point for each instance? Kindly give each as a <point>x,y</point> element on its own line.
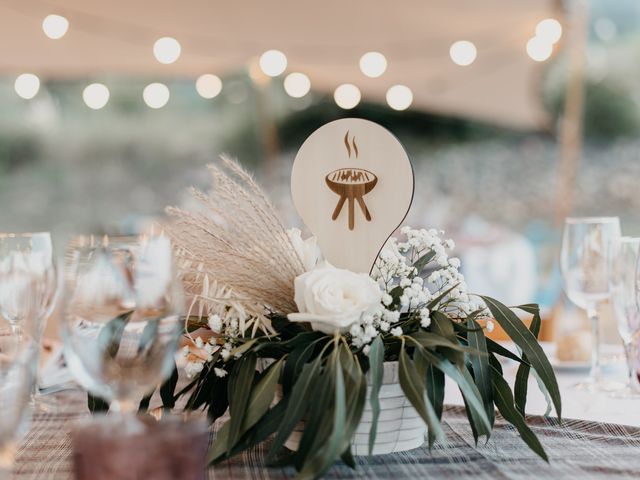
<point>299,350</point>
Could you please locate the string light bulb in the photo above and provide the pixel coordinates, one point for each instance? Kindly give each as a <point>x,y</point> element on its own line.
<point>156,95</point>
<point>347,96</point>
<point>95,96</point>
<point>167,50</point>
<point>549,30</point>
<point>297,85</point>
<point>55,26</point>
<point>373,64</point>
<point>399,97</point>
<point>273,63</point>
<point>27,85</point>
<point>539,49</point>
<point>463,53</point>
<point>208,85</point>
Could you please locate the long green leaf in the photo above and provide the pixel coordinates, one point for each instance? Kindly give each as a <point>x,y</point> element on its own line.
<point>495,347</point>
<point>506,406</point>
<point>432,340</point>
<point>240,382</point>
<point>298,403</point>
<point>523,337</point>
<point>413,385</point>
<point>467,387</point>
<point>324,458</point>
<point>423,261</point>
<point>376,371</point>
<point>442,325</point>
<point>168,388</point>
<point>522,376</point>
<point>262,395</point>
<point>481,369</point>
<point>435,394</point>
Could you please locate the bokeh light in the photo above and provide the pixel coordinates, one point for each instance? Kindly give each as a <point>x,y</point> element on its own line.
<point>273,63</point>
<point>539,49</point>
<point>55,26</point>
<point>399,97</point>
<point>167,50</point>
<point>549,30</point>
<point>156,95</point>
<point>27,85</point>
<point>95,96</point>
<point>347,96</point>
<point>463,52</point>
<point>373,64</point>
<point>297,85</point>
<point>208,85</point>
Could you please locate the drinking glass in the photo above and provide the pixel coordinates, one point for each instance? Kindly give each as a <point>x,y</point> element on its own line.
<point>121,324</point>
<point>584,264</point>
<point>28,288</point>
<point>18,356</point>
<point>623,286</point>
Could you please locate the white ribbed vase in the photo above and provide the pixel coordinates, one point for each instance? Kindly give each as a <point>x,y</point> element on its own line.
<point>400,427</point>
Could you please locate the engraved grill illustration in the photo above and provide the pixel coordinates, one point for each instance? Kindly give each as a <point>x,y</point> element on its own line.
<point>351,184</point>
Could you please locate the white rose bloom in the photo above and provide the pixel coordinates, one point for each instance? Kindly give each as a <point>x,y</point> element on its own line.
<point>332,299</point>
<point>308,250</point>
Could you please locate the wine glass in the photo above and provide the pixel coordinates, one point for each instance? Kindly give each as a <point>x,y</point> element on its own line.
<point>18,358</point>
<point>28,288</point>
<point>622,284</point>
<point>584,264</point>
<point>121,323</point>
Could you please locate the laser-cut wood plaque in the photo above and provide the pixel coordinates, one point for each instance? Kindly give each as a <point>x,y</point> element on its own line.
<point>352,184</point>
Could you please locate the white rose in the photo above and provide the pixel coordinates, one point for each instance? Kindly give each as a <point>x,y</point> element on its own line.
<point>332,299</point>
<point>308,250</point>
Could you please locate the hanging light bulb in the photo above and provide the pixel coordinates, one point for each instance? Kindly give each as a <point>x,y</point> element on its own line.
<point>156,95</point>
<point>55,26</point>
<point>347,96</point>
<point>167,50</point>
<point>96,96</point>
<point>273,63</point>
<point>297,85</point>
<point>27,85</point>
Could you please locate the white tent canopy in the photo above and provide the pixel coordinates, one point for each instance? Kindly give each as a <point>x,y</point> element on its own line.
<point>323,39</point>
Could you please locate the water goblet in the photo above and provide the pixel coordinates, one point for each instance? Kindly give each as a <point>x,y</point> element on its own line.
<point>28,288</point>
<point>584,264</point>
<point>18,357</point>
<point>624,252</point>
<point>121,323</point>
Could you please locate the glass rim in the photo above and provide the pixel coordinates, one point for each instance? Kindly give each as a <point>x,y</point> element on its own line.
<point>584,220</point>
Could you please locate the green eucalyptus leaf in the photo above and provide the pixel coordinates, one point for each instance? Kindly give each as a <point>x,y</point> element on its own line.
<point>435,394</point>
<point>298,403</point>
<point>423,261</point>
<point>442,325</point>
<point>149,334</point>
<point>413,385</point>
<point>168,388</point>
<point>240,382</point>
<point>527,341</point>
<point>376,371</point>
<point>319,463</point>
<point>481,368</point>
<point>434,303</point>
<point>111,334</point>
<point>522,376</point>
<point>433,340</point>
<point>506,406</point>
<point>262,395</point>
<point>495,347</point>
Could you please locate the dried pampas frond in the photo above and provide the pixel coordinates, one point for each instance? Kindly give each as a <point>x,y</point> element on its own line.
<point>235,256</point>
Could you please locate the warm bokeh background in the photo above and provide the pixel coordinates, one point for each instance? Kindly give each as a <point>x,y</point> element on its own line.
<point>498,158</point>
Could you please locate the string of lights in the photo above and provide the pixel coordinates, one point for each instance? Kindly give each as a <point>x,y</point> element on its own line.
<point>273,63</point>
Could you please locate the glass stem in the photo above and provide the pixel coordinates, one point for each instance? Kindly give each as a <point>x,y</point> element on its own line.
<point>592,313</point>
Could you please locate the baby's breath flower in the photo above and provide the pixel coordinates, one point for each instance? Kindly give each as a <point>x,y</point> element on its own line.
<point>220,372</point>
<point>396,332</point>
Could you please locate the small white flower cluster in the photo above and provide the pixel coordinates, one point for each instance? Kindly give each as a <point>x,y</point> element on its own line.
<point>412,274</point>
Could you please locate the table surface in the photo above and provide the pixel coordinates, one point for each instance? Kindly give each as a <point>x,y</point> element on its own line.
<point>580,447</point>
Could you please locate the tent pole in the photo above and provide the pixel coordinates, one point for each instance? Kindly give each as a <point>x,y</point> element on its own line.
<point>571,127</point>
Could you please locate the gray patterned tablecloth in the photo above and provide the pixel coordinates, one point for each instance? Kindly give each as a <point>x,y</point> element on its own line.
<point>577,449</point>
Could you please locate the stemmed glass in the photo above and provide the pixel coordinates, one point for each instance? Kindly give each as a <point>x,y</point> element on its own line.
<point>28,287</point>
<point>623,285</point>
<point>584,264</point>
<point>121,323</point>
<point>18,357</point>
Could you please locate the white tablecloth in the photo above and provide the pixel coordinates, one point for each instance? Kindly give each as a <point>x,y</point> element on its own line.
<point>600,407</point>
